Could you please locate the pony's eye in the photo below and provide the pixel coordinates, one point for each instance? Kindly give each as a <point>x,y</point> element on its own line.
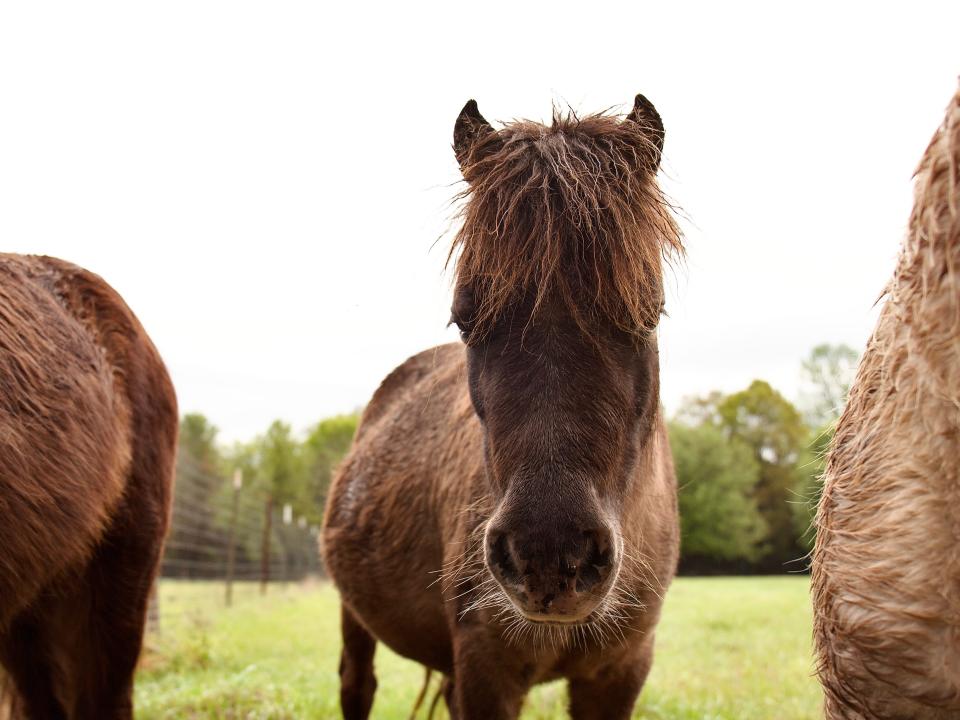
<point>462,327</point>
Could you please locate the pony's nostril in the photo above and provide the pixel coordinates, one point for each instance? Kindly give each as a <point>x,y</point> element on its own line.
<point>598,549</point>
<point>556,573</point>
<point>500,559</point>
<point>589,578</point>
<point>597,560</point>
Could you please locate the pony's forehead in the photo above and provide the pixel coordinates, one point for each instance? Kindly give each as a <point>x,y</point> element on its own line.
<point>553,310</point>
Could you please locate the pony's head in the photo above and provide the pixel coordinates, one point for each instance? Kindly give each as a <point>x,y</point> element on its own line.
<point>558,293</point>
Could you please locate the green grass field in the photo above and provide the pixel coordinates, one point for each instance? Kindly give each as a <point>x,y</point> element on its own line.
<point>735,648</point>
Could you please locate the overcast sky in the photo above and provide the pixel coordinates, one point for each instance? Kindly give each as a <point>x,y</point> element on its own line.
<point>264,182</point>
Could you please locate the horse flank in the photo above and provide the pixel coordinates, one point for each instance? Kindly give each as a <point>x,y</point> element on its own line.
<point>886,558</point>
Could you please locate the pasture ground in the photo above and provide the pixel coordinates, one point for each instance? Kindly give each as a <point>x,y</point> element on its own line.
<point>736,648</point>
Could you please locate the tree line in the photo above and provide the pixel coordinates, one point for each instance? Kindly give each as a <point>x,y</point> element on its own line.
<point>748,465</point>
<point>252,510</point>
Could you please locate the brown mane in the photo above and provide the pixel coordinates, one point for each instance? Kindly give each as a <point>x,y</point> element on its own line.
<point>571,209</point>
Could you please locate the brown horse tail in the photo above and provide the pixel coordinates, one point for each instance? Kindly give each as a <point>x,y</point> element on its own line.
<point>421,696</point>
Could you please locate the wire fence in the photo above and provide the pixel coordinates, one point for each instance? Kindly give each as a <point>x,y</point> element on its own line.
<point>232,539</point>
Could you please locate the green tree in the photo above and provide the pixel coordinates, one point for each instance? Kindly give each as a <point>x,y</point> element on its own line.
<point>198,485</point>
<point>772,427</point>
<point>826,377</point>
<point>245,458</point>
<point>826,374</point>
<point>278,474</point>
<point>700,410</point>
<point>810,469</point>
<point>198,439</point>
<point>716,475</point>
<point>326,444</point>
<point>280,463</point>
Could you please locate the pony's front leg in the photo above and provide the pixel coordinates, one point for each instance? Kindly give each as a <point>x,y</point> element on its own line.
<point>489,681</point>
<point>612,692</point>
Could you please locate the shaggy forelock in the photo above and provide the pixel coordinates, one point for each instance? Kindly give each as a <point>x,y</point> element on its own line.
<point>570,210</point>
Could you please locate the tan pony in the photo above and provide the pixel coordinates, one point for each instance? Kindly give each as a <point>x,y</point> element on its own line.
<point>886,568</point>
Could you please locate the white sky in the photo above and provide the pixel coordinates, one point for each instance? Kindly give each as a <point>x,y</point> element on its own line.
<point>263,181</point>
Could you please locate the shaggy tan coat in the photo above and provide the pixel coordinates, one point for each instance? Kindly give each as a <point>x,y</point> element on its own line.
<point>886,568</point>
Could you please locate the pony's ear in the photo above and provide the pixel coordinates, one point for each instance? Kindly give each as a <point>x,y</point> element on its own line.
<point>470,130</point>
<point>647,117</point>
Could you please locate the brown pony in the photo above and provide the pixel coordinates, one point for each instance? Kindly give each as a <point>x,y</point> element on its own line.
<point>886,567</point>
<point>508,514</point>
<point>88,432</point>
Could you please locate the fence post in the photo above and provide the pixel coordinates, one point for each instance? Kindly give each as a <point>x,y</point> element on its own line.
<point>287,520</point>
<point>232,546</point>
<point>153,608</point>
<point>265,545</point>
<point>303,548</point>
<point>316,564</point>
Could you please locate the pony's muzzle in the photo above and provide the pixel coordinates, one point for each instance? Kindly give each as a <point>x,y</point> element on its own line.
<point>560,578</point>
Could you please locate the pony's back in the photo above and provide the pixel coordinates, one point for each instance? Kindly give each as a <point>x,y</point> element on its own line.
<point>64,433</point>
<point>88,429</point>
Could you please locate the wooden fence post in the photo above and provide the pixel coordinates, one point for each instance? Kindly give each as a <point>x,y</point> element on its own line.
<point>153,608</point>
<point>287,520</point>
<point>265,545</point>
<point>232,546</point>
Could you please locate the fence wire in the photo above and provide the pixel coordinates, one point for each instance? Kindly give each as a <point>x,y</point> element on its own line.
<point>231,540</point>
